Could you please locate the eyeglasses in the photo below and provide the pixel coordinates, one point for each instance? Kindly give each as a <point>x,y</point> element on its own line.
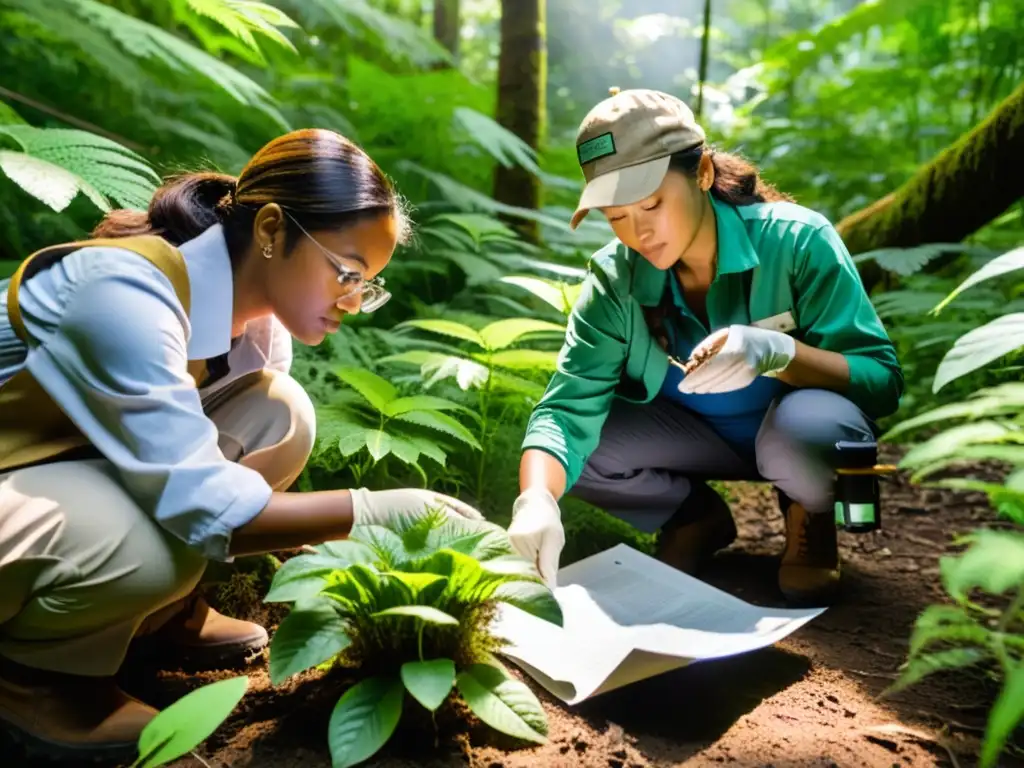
<point>374,295</point>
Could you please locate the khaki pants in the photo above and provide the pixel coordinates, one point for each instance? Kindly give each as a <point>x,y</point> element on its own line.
<point>81,566</point>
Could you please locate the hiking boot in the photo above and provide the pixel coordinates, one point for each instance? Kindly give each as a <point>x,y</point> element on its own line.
<point>70,718</point>
<point>809,573</point>
<point>191,632</point>
<point>700,527</point>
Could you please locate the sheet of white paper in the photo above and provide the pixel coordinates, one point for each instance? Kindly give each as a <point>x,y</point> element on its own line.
<point>628,617</point>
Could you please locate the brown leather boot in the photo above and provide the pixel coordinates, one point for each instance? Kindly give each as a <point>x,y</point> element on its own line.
<point>191,632</point>
<point>69,718</point>
<point>700,527</point>
<point>809,573</point>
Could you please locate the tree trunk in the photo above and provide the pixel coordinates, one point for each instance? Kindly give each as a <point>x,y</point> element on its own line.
<point>522,81</point>
<point>702,72</point>
<point>964,188</point>
<point>446,25</point>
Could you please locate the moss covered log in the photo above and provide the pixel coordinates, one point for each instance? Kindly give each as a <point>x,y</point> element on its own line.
<point>965,187</point>
<point>522,76</point>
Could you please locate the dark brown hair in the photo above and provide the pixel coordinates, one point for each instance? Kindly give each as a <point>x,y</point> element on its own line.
<point>317,176</point>
<point>737,181</point>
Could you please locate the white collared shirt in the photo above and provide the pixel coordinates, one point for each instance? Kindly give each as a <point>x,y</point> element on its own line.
<point>112,344</point>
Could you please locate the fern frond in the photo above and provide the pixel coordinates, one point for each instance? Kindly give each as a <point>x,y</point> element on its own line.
<point>401,39</point>
<point>503,145</point>
<point>55,164</point>
<point>141,40</point>
<point>242,18</point>
<point>8,116</point>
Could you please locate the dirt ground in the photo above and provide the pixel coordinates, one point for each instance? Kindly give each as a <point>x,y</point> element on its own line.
<point>812,700</point>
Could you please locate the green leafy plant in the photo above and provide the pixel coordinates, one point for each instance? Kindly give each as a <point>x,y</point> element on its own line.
<point>373,416</point>
<point>492,366</point>
<point>188,722</point>
<point>409,608</point>
<point>985,624</point>
<point>968,634</point>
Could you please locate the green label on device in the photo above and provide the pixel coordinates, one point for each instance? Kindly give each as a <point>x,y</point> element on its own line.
<point>859,513</point>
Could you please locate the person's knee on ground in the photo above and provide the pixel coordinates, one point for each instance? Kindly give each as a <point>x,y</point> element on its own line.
<point>795,451</point>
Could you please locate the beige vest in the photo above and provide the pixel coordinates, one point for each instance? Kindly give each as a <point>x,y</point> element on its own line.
<point>35,429</point>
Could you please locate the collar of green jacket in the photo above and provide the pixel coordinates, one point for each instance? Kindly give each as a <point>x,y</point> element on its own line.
<point>781,266</point>
<point>735,254</point>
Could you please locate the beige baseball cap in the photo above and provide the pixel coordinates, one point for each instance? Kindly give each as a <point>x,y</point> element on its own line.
<point>624,144</point>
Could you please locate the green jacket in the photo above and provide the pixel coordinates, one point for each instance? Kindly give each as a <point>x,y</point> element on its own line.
<point>791,259</point>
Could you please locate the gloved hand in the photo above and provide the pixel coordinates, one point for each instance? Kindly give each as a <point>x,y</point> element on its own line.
<point>380,507</point>
<point>743,354</point>
<point>536,531</point>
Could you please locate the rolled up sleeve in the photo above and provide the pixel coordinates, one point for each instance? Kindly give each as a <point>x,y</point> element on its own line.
<point>116,365</point>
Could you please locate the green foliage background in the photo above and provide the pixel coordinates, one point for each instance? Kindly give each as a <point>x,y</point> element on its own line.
<point>838,101</point>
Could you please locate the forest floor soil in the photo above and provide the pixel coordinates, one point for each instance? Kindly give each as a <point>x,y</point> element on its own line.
<point>811,700</point>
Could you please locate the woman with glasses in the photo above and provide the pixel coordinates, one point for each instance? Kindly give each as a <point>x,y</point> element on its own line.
<point>148,424</point>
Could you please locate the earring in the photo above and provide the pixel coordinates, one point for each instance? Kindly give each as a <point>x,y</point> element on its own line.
<point>268,251</point>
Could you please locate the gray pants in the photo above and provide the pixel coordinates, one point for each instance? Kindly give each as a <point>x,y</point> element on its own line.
<point>648,454</point>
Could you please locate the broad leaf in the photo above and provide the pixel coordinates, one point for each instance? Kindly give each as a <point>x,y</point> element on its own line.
<point>480,539</point>
<point>1006,714</point>
<point>980,347</point>
<point>1008,262</point>
<point>422,612</point>
<point>422,403</point>
<point>523,359</point>
<point>189,721</point>
<point>945,624</point>
<point>345,552</point>
<point>385,544</point>
<point>504,333</point>
<point>300,577</point>
<point>924,664</point>
<point>358,587</point>
<point>947,443</point>
<point>378,443</point>
<point>536,599</point>
<point>364,719</point>
<point>426,586</point>
<point>561,296</point>
<point>989,402</point>
<point>504,145</point>
<point>377,391</point>
<point>312,633</point>
<point>441,422</point>
<point>994,562</point>
<point>429,682</point>
<point>503,702</point>
<point>353,440</point>
<point>446,328</point>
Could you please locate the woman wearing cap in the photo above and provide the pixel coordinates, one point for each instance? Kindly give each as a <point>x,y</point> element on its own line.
<point>757,297</point>
<point>149,424</point>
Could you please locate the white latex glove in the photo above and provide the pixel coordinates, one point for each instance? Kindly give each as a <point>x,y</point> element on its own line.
<point>746,353</point>
<point>536,531</point>
<point>380,507</point>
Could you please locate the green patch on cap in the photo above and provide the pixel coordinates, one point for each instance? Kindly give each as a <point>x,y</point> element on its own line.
<point>596,148</point>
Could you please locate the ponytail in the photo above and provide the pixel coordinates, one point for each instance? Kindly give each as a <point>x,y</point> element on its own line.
<point>737,181</point>
<point>180,210</point>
